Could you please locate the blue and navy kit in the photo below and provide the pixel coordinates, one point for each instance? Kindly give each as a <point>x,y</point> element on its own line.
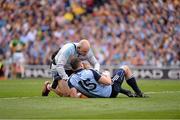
<point>86,82</point>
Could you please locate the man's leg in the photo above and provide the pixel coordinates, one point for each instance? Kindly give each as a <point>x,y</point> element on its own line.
<point>46,88</point>
<point>131,81</point>
<point>51,86</point>
<point>126,92</point>
<point>118,79</point>
<point>56,86</point>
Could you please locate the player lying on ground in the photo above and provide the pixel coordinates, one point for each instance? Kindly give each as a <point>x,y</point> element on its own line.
<point>94,85</point>
<point>88,82</point>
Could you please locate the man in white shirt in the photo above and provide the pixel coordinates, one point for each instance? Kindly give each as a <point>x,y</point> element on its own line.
<point>61,68</point>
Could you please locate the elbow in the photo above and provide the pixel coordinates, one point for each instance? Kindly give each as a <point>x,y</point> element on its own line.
<point>109,82</point>
<point>105,80</point>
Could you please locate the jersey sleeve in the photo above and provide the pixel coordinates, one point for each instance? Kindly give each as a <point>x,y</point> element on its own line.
<point>97,76</point>
<point>93,61</point>
<point>70,85</point>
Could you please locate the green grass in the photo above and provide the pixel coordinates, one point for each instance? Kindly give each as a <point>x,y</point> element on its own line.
<point>21,99</point>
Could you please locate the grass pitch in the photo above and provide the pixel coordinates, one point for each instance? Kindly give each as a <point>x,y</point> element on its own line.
<point>21,99</point>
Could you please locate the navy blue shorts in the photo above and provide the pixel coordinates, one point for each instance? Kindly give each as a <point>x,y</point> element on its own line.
<point>117,79</point>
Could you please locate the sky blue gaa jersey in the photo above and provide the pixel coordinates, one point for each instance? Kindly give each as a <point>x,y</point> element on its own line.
<point>86,82</point>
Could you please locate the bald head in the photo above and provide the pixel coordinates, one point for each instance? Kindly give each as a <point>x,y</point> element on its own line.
<point>83,47</point>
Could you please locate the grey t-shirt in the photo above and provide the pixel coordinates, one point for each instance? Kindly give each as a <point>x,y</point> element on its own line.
<point>64,56</point>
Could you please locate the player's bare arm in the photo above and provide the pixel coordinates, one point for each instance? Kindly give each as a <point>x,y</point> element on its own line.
<point>106,80</point>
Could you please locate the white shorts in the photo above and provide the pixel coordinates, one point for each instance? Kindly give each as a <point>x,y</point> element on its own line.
<point>18,57</point>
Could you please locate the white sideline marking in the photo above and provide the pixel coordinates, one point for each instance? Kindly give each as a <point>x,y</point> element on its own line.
<point>9,98</point>
<point>164,92</point>
<point>161,92</point>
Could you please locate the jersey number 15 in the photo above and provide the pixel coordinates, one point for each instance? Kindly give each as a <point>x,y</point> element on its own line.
<point>87,85</point>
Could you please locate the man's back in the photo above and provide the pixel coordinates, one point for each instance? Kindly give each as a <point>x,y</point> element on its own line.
<point>69,51</point>
<point>64,54</point>
<point>86,82</point>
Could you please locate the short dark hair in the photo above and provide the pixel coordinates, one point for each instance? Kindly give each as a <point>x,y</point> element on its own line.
<point>75,62</point>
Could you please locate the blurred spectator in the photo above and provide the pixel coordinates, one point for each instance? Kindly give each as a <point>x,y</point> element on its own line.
<point>18,59</point>
<point>2,73</point>
<point>134,32</point>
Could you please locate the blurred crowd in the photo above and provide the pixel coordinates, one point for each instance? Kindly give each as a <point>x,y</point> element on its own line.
<point>132,32</point>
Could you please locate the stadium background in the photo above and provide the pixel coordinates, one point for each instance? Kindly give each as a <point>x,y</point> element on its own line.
<point>121,32</point>
<point>141,33</point>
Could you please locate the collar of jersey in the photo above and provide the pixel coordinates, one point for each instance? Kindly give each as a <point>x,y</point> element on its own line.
<point>79,70</point>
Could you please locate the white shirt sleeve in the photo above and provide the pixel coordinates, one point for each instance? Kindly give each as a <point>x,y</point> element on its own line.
<point>93,61</point>
<point>61,59</point>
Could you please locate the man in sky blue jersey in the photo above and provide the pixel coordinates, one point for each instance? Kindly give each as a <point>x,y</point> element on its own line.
<point>94,85</point>
<point>61,67</point>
